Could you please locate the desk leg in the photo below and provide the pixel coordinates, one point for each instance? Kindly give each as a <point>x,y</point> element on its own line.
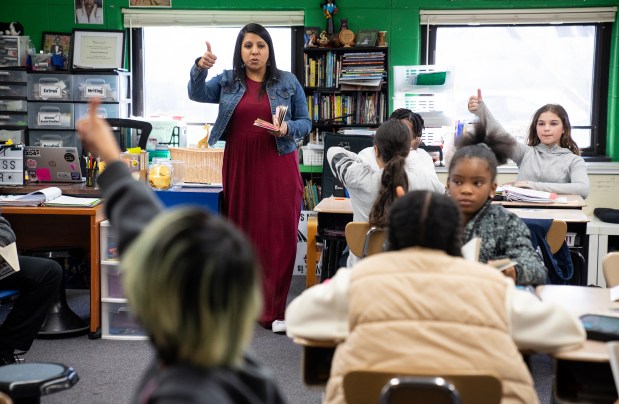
<point>601,253</point>
<point>95,280</point>
<point>593,266</point>
<point>312,249</point>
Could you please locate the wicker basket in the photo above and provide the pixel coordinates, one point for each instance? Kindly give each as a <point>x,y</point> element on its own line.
<point>312,157</point>
<point>201,165</point>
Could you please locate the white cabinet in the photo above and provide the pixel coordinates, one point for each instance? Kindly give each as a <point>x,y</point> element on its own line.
<point>600,233</point>
<point>117,322</point>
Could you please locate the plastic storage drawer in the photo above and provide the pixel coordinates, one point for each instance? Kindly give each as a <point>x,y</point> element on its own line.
<point>50,116</point>
<point>8,118</point>
<point>52,87</point>
<point>56,138</point>
<point>109,243</point>
<point>16,136</point>
<point>15,76</point>
<point>117,322</point>
<point>111,281</point>
<point>12,90</point>
<point>104,111</point>
<point>105,87</point>
<point>14,105</point>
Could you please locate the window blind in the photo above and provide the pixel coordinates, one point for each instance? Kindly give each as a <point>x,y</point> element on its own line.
<point>138,18</point>
<point>518,16</point>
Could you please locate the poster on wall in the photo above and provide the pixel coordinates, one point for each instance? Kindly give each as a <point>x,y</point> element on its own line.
<point>94,49</point>
<point>150,3</point>
<point>89,11</point>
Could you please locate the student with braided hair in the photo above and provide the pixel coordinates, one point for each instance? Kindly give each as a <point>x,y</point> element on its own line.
<point>420,308</point>
<point>373,191</point>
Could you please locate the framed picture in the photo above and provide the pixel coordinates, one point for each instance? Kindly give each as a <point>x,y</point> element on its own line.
<point>311,35</point>
<point>150,3</point>
<point>367,38</point>
<point>96,49</point>
<point>56,42</point>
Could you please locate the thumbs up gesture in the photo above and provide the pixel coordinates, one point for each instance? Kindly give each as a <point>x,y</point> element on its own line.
<point>208,59</point>
<point>474,101</point>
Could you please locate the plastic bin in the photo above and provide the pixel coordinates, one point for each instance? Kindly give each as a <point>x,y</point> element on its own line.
<point>105,87</point>
<point>117,322</point>
<point>12,90</point>
<point>53,87</point>
<point>50,116</point>
<point>111,281</point>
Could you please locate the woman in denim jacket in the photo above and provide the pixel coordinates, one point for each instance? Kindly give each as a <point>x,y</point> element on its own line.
<point>261,180</point>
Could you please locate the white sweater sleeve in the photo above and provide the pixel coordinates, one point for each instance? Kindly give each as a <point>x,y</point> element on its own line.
<point>541,326</point>
<point>321,312</point>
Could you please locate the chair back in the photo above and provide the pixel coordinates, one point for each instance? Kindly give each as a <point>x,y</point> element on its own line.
<point>610,266</point>
<point>143,128</point>
<point>556,235</point>
<point>405,390</point>
<point>365,387</point>
<point>364,240</point>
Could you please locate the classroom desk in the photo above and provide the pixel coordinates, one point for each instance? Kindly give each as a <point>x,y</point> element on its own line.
<point>62,227</point>
<point>333,214</point>
<point>582,374</point>
<point>602,237</point>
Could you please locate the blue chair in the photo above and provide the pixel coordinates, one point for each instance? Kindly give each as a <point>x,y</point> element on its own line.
<point>26,383</point>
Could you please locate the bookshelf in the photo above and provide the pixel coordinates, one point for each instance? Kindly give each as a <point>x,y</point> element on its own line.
<point>345,88</point>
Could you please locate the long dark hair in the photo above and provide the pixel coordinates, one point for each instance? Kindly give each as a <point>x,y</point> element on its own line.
<point>425,219</point>
<point>481,144</point>
<point>566,138</point>
<point>237,61</point>
<point>393,140</point>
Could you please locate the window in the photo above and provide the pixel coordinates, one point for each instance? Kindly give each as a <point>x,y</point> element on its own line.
<point>167,61</point>
<point>522,67</point>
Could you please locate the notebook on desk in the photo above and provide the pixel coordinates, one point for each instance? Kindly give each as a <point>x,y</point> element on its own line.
<point>52,164</point>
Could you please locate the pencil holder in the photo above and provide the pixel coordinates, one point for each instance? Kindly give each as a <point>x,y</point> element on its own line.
<point>91,177</point>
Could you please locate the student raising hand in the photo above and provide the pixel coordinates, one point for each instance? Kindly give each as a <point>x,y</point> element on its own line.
<point>96,134</point>
<point>474,101</point>
<point>208,59</point>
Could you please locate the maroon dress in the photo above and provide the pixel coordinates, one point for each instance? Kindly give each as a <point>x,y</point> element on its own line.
<point>262,196</point>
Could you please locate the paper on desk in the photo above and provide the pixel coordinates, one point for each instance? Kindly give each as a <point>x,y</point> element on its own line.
<point>9,264</point>
<point>614,294</point>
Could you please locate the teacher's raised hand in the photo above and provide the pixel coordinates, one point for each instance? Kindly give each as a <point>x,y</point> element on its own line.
<point>208,59</point>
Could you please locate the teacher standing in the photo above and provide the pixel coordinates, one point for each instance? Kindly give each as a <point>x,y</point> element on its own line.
<point>262,184</point>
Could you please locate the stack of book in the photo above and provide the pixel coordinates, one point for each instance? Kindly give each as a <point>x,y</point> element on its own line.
<point>512,193</point>
<point>362,69</point>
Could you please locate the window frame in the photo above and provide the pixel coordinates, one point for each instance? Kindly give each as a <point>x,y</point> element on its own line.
<point>600,83</point>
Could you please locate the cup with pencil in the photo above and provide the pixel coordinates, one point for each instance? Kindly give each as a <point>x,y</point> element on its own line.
<point>92,170</point>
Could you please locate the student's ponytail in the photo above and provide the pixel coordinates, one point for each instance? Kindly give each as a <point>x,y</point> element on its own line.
<point>393,141</point>
<point>394,175</point>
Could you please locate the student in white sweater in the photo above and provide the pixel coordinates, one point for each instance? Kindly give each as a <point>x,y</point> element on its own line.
<point>419,164</point>
<point>372,192</point>
<point>550,161</point>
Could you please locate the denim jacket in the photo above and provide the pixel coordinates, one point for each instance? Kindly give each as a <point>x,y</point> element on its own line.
<point>284,89</point>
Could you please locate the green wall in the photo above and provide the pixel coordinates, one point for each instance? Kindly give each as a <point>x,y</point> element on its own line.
<point>399,17</point>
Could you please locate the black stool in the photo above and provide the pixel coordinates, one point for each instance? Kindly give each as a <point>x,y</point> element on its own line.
<point>26,383</point>
<point>60,318</point>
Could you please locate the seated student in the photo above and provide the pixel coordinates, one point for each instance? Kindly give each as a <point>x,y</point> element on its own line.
<point>419,164</point>
<point>550,161</point>
<point>372,192</point>
<point>471,182</point>
<point>38,282</point>
<point>422,309</point>
<point>192,280</point>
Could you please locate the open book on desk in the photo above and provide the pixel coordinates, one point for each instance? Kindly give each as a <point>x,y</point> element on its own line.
<point>470,252</point>
<point>50,196</point>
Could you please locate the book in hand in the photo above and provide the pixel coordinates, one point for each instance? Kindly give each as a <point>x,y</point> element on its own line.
<point>470,252</point>
<point>512,193</point>
<point>50,196</point>
<point>9,264</point>
<point>280,113</point>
